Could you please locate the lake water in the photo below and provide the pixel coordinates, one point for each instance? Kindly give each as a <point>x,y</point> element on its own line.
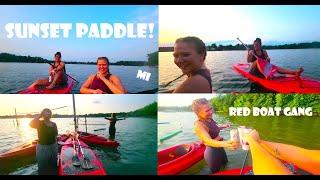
<point>226,80</point>
<point>299,131</point>
<point>135,155</point>
<point>18,76</point>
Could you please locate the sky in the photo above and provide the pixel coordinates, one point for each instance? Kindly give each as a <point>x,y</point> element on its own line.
<point>84,49</point>
<point>272,23</point>
<point>85,104</point>
<point>180,99</point>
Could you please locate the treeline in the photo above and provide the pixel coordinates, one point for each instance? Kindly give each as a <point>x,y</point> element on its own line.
<point>150,110</point>
<point>215,47</point>
<point>175,109</point>
<point>223,102</point>
<point>6,57</point>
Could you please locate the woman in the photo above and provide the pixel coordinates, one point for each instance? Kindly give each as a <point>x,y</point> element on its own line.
<point>270,70</point>
<point>189,55</point>
<point>112,127</point>
<point>57,75</point>
<point>266,156</point>
<point>208,132</point>
<point>103,82</point>
<point>47,148</point>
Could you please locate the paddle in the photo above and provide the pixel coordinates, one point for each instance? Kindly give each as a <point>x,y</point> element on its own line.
<point>66,73</point>
<point>244,161</point>
<point>173,81</point>
<point>75,158</point>
<point>248,48</point>
<point>85,162</point>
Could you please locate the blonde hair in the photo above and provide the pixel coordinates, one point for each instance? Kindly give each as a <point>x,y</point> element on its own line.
<point>197,103</point>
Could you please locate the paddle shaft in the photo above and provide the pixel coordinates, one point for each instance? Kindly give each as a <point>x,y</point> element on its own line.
<point>244,161</point>
<point>173,80</point>
<point>247,48</point>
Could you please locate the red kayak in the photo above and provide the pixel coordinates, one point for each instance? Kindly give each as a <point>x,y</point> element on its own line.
<point>176,159</point>
<point>283,84</point>
<point>25,150</point>
<point>42,90</point>
<point>66,166</point>
<point>94,139</point>
<point>235,171</point>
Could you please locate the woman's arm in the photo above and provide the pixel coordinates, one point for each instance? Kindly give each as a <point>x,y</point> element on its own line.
<point>204,136</point>
<point>250,56</point>
<point>263,163</point>
<point>60,66</point>
<point>266,55</point>
<point>34,123</point>
<point>308,160</point>
<point>114,84</point>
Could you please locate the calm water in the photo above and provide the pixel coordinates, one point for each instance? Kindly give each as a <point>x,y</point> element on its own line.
<point>300,131</point>
<point>18,76</point>
<point>135,155</point>
<point>225,80</point>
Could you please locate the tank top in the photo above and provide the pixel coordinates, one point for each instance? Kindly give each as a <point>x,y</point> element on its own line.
<point>46,134</point>
<point>206,74</point>
<point>214,129</point>
<point>97,83</point>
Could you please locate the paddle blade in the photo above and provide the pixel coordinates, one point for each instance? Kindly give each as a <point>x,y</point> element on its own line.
<point>86,164</point>
<point>75,161</point>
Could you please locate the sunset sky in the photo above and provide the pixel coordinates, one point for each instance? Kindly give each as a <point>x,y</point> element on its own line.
<point>224,23</point>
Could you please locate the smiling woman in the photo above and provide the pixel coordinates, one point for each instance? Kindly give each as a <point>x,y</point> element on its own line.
<point>189,55</point>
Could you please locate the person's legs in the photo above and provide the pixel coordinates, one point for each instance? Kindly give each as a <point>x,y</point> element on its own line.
<point>216,158</point>
<point>40,82</point>
<point>57,79</point>
<point>112,130</point>
<point>289,71</point>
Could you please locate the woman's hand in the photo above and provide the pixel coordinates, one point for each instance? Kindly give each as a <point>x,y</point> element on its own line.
<point>226,125</point>
<point>100,76</point>
<point>233,145</point>
<point>97,91</point>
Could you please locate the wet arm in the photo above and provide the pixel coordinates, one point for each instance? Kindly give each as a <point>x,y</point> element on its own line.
<point>308,160</point>
<point>85,86</point>
<point>266,54</point>
<point>60,66</point>
<point>34,123</point>
<point>115,85</point>
<point>204,136</point>
<point>263,162</point>
<point>250,56</point>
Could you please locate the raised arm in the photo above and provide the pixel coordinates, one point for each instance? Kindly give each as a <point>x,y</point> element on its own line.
<point>250,56</point>
<point>34,123</point>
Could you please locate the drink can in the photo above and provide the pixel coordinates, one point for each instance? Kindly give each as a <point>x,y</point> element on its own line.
<point>234,135</point>
<point>242,132</point>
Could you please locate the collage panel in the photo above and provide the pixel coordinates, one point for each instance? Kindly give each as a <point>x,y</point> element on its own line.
<point>54,49</point>
<point>38,134</point>
<point>238,134</point>
<point>239,49</point>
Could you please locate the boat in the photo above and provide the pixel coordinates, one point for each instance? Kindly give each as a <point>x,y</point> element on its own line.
<point>93,139</point>
<point>42,90</point>
<point>176,159</point>
<point>84,154</point>
<point>281,84</point>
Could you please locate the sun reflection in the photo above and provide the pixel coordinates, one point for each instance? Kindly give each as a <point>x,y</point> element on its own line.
<point>26,133</point>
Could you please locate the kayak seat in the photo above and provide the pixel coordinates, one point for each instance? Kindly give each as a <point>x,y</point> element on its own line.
<point>180,151</point>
